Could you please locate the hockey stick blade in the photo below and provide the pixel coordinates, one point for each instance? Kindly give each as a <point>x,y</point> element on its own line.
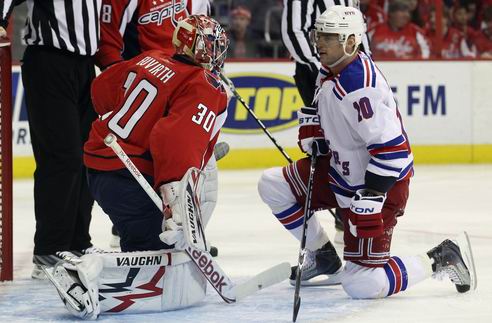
<point>267,278</point>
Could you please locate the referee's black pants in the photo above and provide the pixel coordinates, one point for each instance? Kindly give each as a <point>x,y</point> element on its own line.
<point>305,79</point>
<point>60,113</point>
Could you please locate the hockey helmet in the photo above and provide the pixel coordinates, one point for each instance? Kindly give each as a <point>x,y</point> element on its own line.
<point>202,39</point>
<point>341,20</point>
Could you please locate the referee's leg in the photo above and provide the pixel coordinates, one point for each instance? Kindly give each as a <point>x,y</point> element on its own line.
<point>51,98</point>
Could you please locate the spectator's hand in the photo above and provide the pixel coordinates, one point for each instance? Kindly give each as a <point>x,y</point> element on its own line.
<point>3,33</point>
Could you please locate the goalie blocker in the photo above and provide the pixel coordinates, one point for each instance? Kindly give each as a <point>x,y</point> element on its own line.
<point>127,283</point>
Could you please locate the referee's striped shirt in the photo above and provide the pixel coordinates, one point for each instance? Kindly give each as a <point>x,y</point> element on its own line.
<point>71,25</point>
<point>298,20</point>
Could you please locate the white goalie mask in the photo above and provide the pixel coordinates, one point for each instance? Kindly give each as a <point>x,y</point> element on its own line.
<point>344,21</point>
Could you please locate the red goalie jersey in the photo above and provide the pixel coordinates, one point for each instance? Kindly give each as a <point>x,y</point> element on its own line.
<point>165,111</point>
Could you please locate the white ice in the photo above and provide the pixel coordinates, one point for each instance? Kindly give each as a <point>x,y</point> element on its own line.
<point>444,200</point>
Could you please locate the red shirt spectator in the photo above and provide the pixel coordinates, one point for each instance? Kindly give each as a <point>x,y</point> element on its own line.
<point>453,44</point>
<point>483,40</point>
<point>398,38</point>
<point>373,13</point>
<point>460,22</point>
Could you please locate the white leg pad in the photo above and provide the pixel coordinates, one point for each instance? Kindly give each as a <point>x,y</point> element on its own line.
<point>151,281</point>
<point>208,196</point>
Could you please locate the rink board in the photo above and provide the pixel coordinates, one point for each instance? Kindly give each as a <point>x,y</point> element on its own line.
<point>445,107</point>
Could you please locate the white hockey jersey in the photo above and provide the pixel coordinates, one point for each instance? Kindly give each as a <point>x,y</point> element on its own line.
<point>362,124</point>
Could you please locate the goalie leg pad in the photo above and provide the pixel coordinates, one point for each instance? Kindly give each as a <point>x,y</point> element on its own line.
<point>208,196</point>
<point>149,281</point>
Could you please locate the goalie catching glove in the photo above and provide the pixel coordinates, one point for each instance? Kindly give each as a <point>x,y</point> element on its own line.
<point>184,227</point>
<point>365,218</point>
<point>310,132</point>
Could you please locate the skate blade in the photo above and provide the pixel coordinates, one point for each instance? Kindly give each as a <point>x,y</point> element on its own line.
<point>321,280</point>
<point>49,272</point>
<point>465,247</point>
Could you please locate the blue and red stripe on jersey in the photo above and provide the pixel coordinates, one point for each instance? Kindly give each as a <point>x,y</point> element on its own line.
<point>292,217</point>
<point>397,275</point>
<point>392,149</point>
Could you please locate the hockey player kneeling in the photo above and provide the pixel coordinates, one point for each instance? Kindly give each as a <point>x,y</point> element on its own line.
<point>166,112</point>
<point>363,167</point>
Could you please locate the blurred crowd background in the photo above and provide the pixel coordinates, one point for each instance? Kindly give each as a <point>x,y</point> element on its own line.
<point>397,29</point>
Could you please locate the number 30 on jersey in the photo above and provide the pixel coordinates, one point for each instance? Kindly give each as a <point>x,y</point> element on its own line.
<point>204,117</point>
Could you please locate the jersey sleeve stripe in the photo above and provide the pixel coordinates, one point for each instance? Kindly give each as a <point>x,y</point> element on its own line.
<point>392,155</point>
<point>406,171</point>
<point>402,147</point>
<point>386,167</point>
<point>393,142</point>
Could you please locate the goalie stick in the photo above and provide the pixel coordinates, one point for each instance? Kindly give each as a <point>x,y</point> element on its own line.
<point>222,284</point>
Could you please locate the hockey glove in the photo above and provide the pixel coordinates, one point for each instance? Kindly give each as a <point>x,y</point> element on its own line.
<point>172,226</point>
<point>365,218</point>
<point>310,132</point>
<point>173,235</point>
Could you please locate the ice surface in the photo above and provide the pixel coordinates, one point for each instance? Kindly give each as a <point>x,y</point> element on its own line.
<point>443,201</point>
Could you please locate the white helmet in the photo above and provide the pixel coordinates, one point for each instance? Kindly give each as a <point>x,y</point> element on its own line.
<point>344,21</point>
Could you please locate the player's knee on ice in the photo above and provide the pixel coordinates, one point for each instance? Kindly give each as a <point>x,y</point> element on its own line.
<point>274,190</point>
<point>364,282</point>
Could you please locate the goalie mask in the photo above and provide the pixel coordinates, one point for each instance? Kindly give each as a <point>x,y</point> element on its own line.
<point>202,39</point>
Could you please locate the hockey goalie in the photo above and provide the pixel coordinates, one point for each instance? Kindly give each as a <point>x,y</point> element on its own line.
<point>166,113</point>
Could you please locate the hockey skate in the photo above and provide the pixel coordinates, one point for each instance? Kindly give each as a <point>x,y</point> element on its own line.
<point>456,260</point>
<point>320,268</point>
<point>48,261</point>
<point>79,301</point>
